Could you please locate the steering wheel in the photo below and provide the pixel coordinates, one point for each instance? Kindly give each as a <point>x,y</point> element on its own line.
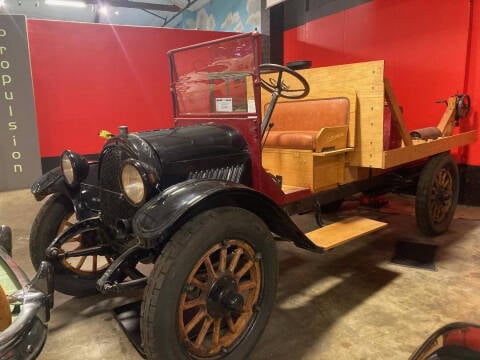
<point>277,85</point>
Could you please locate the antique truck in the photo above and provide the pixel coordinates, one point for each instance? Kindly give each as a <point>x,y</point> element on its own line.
<point>205,201</point>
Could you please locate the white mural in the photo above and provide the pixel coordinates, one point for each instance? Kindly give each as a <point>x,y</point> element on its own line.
<point>253,11</point>
<point>197,5</point>
<point>224,15</point>
<point>232,18</point>
<point>204,20</point>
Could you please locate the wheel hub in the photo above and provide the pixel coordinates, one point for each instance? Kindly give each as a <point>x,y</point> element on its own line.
<point>219,299</point>
<point>443,197</point>
<point>224,297</point>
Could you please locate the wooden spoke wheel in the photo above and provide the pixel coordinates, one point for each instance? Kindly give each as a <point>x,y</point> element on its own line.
<point>218,302</point>
<point>212,289</point>
<point>437,194</point>
<point>441,196</point>
<point>83,265</point>
<point>75,276</point>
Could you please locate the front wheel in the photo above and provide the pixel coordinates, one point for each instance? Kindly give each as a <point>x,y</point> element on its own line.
<point>73,276</point>
<point>437,194</point>
<point>212,289</point>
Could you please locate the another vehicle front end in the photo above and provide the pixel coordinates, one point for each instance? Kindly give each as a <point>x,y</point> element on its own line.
<point>24,305</point>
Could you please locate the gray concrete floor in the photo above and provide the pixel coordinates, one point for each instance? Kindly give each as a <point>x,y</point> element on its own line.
<point>351,303</point>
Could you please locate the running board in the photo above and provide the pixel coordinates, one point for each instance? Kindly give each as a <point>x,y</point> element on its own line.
<point>338,233</point>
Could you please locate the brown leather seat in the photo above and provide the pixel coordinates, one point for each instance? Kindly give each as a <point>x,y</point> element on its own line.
<point>297,123</point>
<point>304,140</point>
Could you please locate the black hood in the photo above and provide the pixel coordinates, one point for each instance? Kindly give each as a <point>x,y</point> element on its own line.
<point>172,156</point>
<point>194,142</point>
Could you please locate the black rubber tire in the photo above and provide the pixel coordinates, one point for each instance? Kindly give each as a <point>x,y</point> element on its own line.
<point>424,197</point>
<point>166,282</point>
<point>44,230</point>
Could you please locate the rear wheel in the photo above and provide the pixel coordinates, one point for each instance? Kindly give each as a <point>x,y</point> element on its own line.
<point>437,194</point>
<point>212,288</point>
<point>75,276</point>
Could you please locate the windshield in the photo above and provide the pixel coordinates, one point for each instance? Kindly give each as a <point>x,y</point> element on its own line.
<point>215,77</point>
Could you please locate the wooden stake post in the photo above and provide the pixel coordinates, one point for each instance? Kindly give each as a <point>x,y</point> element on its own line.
<point>397,114</point>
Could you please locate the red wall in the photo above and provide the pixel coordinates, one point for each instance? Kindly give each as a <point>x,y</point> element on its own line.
<point>424,44</point>
<point>472,153</point>
<point>89,77</point>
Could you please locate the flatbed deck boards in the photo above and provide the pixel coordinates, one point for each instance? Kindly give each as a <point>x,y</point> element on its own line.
<point>422,149</point>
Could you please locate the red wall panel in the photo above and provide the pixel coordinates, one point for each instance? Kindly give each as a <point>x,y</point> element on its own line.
<point>89,77</point>
<point>471,154</point>
<point>423,43</point>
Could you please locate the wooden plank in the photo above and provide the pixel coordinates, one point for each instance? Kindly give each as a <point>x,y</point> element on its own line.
<point>446,122</point>
<point>328,172</point>
<point>295,166</point>
<point>397,115</point>
<point>340,232</point>
<point>419,151</point>
<point>333,152</point>
<point>366,79</point>
<point>299,168</point>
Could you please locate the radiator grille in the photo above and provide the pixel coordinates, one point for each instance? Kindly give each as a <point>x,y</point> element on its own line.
<point>229,173</point>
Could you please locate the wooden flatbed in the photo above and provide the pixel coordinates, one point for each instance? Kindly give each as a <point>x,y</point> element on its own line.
<point>349,129</point>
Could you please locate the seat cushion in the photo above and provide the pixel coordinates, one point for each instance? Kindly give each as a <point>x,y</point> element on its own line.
<point>302,140</point>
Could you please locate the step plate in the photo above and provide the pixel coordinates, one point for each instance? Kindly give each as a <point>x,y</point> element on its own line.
<point>340,232</point>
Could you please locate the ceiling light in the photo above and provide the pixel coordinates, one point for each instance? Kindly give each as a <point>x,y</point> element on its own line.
<point>2,3</point>
<point>73,3</point>
<point>103,10</point>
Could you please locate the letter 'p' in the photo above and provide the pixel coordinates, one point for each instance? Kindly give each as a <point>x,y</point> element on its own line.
<point>6,79</point>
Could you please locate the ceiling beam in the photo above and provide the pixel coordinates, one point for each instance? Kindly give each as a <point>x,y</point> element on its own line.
<point>135,5</point>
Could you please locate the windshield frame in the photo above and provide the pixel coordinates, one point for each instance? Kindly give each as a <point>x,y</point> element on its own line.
<point>211,116</point>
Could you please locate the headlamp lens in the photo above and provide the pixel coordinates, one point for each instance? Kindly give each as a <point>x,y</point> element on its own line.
<point>67,169</point>
<point>132,183</point>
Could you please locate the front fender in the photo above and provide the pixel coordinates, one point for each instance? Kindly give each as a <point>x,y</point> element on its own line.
<point>84,197</point>
<point>49,183</point>
<point>158,219</point>
<point>52,182</point>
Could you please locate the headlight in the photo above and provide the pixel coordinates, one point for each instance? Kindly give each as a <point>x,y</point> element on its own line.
<point>133,183</point>
<point>74,168</point>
